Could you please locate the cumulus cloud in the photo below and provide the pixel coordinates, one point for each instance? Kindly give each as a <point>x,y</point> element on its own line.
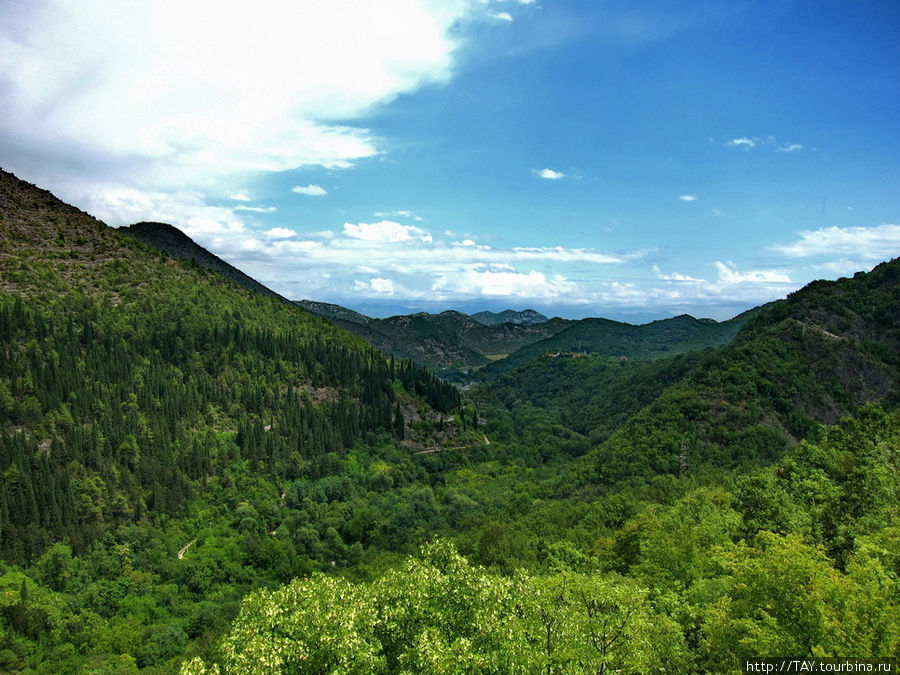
<point>378,285</point>
<point>310,190</point>
<point>867,243</point>
<point>502,16</point>
<point>99,98</point>
<point>503,281</point>
<point>549,174</point>
<point>389,259</point>
<point>687,198</point>
<point>280,233</point>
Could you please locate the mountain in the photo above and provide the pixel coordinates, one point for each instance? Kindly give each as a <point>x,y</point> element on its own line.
<point>130,379</point>
<point>808,360</point>
<point>181,247</point>
<point>332,311</point>
<point>604,337</point>
<point>451,343</point>
<point>526,317</point>
<point>791,366</point>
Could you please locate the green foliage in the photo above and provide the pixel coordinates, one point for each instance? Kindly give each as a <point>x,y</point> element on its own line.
<point>437,613</point>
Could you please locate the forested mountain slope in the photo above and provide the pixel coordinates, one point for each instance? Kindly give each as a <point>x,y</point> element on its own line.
<point>604,337</point>
<point>331,311</point>
<point>127,377</point>
<point>797,363</point>
<point>807,360</point>
<point>525,317</point>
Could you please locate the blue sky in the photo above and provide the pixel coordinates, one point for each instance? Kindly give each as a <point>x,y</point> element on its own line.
<point>623,159</point>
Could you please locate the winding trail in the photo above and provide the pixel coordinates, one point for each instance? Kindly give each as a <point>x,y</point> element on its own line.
<point>185,548</point>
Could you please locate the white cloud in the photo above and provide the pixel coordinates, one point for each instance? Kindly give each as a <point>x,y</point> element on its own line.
<point>842,267</point>
<point>328,264</point>
<point>99,98</point>
<point>676,277</point>
<point>502,281</point>
<point>687,198</point>
<point>747,143</point>
<point>744,142</point>
<point>399,213</point>
<point>310,190</point>
<point>280,233</point>
<point>881,242</point>
<point>729,275</point>
<point>385,231</point>
<point>502,16</point>
<point>381,285</point>
<point>240,197</point>
<point>257,209</point>
<point>549,174</point>
<point>571,255</point>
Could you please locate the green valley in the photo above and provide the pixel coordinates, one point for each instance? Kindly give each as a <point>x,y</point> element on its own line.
<point>199,476</point>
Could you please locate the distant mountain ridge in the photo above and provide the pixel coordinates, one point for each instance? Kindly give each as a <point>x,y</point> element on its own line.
<point>177,244</point>
<point>450,343</point>
<point>527,317</point>
<point>604,337</point>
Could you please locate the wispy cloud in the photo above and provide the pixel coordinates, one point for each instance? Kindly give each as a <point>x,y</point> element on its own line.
<point>687,198</point>
<point>549,174</point>
<point>399,213</point>
<point>310,190</point>
<point>502,16</point>
<point>257,209</point>
<point>867,243</point>
<point>743,142</point>
<point>748,143</point>
<point>240,197</point>
<point>386,231</point>
<point>729,275</point>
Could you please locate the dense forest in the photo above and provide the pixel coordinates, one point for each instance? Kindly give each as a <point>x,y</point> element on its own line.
<point>199,476</point>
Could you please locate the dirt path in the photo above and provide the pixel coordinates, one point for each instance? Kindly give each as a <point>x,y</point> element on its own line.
<point>185,548</point>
